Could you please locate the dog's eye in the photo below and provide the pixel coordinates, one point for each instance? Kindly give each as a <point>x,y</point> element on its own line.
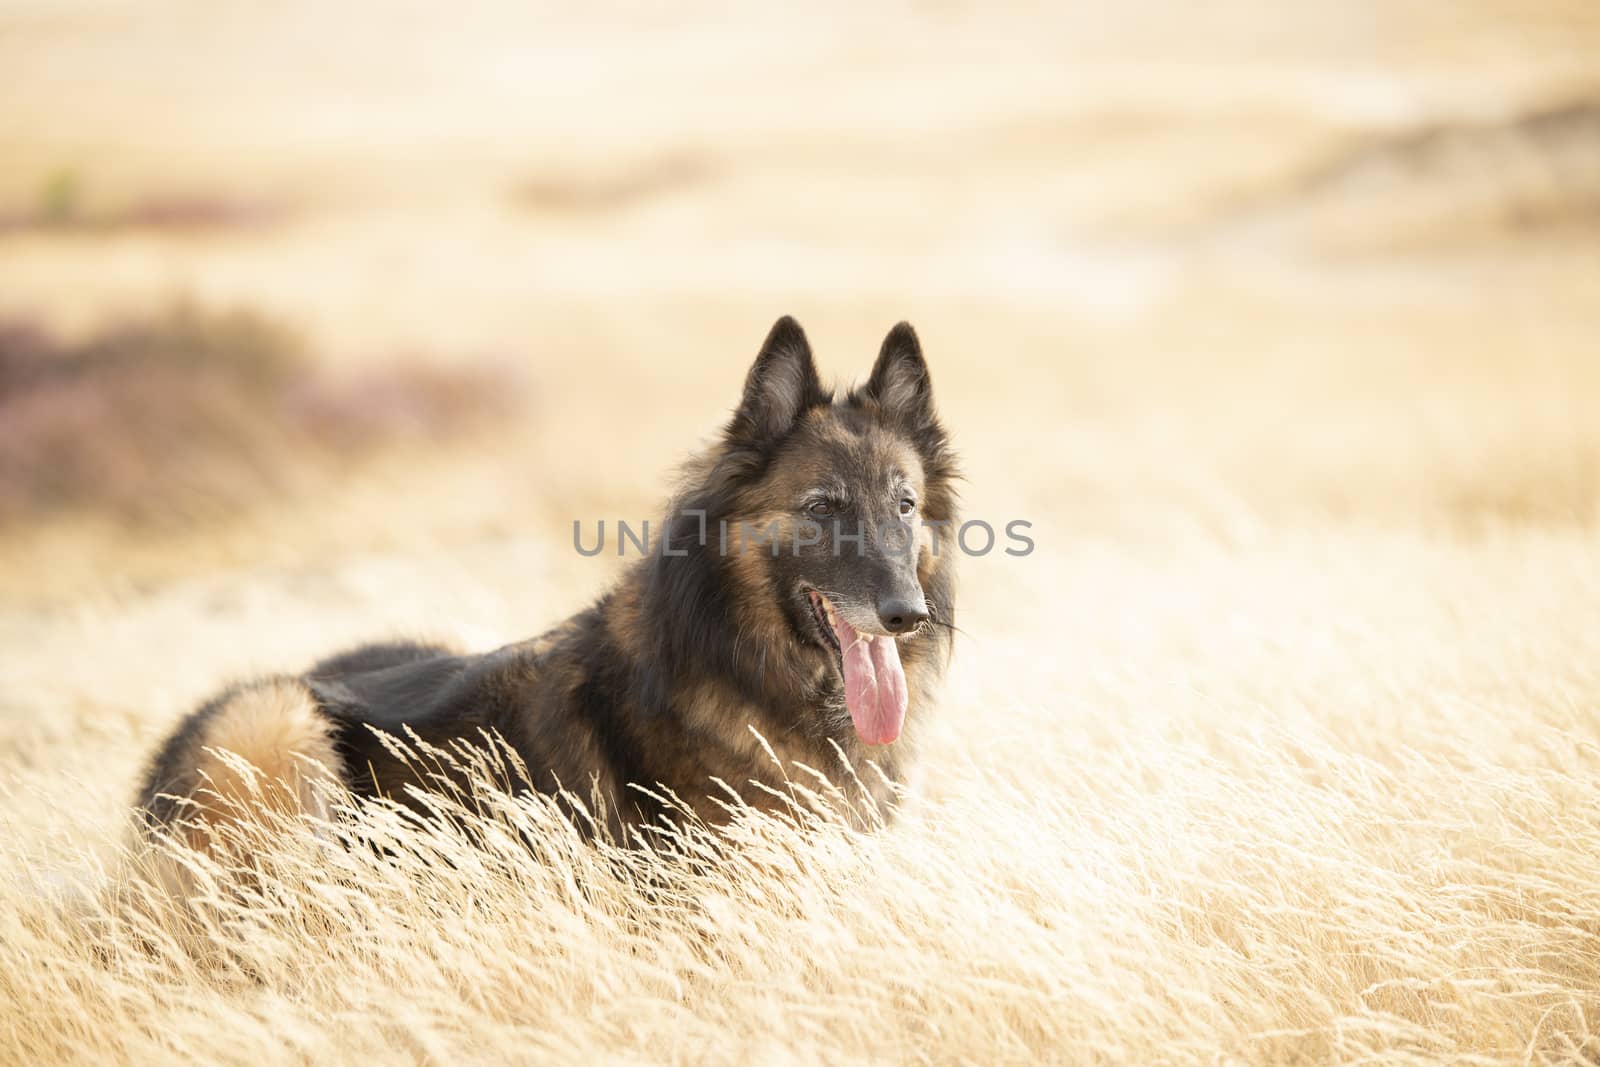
<point>820,509</point>
<point>907,505</point>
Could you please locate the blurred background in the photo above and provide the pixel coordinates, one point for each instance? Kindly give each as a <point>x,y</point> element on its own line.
<point>1222,259</point>
<point>299,291</point>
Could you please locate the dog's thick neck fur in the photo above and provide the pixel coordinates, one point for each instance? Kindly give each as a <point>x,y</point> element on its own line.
<point>693,643</point>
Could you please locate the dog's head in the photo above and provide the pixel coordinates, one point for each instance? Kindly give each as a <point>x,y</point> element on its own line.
<point>843,515</point>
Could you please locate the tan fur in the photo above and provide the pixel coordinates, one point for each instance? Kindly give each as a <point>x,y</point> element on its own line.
<point>276,730</point>
<point>266,751</point>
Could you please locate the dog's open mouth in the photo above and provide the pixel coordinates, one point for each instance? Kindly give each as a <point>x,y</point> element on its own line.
<point>874,681</point>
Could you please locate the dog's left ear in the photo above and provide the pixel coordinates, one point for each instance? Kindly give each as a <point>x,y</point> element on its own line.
<point>899,381</point>
<point>781,385</point>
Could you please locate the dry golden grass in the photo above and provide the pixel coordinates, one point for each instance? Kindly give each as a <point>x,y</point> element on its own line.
<point>1322,798</point>
<point>1283,747</point>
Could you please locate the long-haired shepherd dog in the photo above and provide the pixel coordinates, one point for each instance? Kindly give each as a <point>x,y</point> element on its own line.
<point>798,590</point>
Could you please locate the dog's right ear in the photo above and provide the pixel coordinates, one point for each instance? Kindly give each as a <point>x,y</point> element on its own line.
<point>781,385</point>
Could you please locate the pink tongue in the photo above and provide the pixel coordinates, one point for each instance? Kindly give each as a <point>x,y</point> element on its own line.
<point>874,684</point>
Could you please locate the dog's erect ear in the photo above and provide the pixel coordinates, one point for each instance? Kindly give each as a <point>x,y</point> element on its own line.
<point>899,381</point>
<point>782,384</point>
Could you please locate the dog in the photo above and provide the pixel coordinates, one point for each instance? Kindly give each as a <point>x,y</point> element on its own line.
<point>795,608</point>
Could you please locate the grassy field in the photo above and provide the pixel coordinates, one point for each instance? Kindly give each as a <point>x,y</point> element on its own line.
<point>1284,333</point>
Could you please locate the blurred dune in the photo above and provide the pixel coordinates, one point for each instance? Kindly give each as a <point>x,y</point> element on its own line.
<point>1200,239</point>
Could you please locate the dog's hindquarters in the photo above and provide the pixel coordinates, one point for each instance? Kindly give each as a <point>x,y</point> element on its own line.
<point>264,746</point>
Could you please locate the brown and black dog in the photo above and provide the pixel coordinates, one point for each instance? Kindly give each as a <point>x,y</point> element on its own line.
<point>801,588</point>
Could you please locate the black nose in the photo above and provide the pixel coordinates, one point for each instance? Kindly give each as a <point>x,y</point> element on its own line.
<point>899,614</point>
